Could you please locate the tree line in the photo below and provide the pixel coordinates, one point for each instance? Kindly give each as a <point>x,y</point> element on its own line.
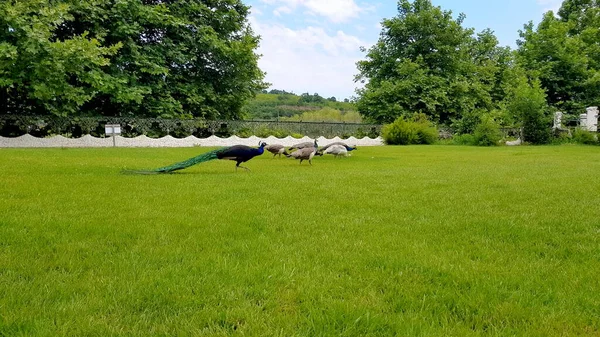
<point>284,105</point>
<point>150,58</point>
<point>426,62</point>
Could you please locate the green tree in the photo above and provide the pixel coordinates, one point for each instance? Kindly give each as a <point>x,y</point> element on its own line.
<point>175,58</point>
<point>526,102</point>
<point>39,73</point>
<point>425,61</point>
<point>564,53</point>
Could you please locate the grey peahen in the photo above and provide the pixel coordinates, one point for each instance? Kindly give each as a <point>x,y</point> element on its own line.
<point>304,145</point>
<point>276,149</point>
<point>306,153</point>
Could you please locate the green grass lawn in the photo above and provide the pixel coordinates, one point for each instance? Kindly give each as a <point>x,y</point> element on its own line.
<point>405,241</point>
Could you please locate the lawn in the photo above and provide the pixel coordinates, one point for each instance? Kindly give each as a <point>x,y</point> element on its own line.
<point>406,241</point>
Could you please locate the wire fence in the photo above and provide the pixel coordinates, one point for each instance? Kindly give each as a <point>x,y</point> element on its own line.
<point>45,126</point>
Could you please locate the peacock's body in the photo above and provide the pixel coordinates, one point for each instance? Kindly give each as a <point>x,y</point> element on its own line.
<point>238,153</point>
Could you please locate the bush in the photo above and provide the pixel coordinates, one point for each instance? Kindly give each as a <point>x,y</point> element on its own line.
<point>561,136</point>
<point>244,133</point>
<point>468,122</point>
<point>526,102</point>
<point>265,132</point>
<point>466,139</point>
<point>419,130</point>
<point>585,137</point>
<point>487,132</point>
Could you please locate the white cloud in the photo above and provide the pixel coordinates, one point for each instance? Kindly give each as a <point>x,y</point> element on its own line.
<point>335,10</point>
<point>282,9</point>
<point>308,59</point>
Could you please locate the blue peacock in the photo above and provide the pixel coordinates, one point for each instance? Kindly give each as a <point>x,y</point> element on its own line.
<point>238,153</point>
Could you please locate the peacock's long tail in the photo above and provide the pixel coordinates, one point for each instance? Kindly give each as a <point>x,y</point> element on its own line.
<point>181,165</point>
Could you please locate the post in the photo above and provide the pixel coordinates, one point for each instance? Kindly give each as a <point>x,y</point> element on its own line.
<point>558,120</point>
<point>592,118</point>
<point>113,130</point>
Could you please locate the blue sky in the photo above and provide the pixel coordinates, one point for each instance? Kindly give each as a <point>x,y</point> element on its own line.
<point>313,45</point>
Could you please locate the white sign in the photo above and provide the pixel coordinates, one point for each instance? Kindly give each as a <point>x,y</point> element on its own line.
<point>112,129</point>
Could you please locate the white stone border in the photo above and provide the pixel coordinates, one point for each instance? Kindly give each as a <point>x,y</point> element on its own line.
<point>169,141</point>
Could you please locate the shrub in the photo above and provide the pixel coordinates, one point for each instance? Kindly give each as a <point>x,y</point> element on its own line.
<point>584,137</point>
<point>266,132</point>
<point>419,130</point>
<point>244,133</point>
<point>465,139</point>
<point>468,122</point>
<point>561,136</point>
<point>487,132</point>
<point>526,102</point>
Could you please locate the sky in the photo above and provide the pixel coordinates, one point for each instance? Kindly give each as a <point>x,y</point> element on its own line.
<point>313,45</point>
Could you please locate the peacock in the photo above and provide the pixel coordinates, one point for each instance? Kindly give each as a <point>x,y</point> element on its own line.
<point>306,153</point>
<point>238,153</point>
<point>276,149</point>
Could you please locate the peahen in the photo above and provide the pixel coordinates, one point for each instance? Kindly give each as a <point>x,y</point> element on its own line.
<point>276,149</point>
<point>238,153</point>
<point>348,148</point>
<point>304,145</point>
<point>336,150</point>
<point>306,153</point>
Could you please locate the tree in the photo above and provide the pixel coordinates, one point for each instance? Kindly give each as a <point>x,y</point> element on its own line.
<point>564,53</point>
<point>159,58</point>
<point>425,61</point>
<point>526,102</point>
<point>39,73</point>
<point>308,98</point>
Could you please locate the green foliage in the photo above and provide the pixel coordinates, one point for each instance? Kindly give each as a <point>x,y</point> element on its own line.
<point>417,130</point>
<point>564,53</point>
<point>487,132</point>
<point>327,115</point>
<point>467,123</point>
<point>283,105</point>
<point>463,139</point>
<point>561,136</point>
<point>40,73</point>
<point>425,61</point>
<point>266,132</point>
<point>308,98</point>
<point>156,59</point>
<point>585,137</point>
<point>526,103</point>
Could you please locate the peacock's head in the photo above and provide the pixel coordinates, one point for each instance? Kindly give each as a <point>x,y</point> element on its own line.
<point>262,144</point>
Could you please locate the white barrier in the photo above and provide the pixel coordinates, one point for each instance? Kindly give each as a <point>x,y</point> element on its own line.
<point>169,141</point>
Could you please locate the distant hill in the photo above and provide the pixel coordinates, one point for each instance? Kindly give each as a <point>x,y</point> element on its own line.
<point>282,105</point>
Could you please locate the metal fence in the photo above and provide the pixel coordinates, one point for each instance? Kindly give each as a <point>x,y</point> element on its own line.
<point>43,126</point>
